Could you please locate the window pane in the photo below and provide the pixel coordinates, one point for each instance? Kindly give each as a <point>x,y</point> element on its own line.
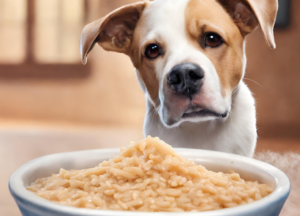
<point>58,25</point>
<point>12,30</point>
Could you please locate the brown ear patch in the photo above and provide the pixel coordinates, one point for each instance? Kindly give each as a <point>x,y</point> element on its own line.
<point>242,15</point>
<point>117,29</point>
<point>247,14</point>
<point>113,32</point>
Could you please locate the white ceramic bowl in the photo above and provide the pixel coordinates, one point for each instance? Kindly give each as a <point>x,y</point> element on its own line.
<point>250,169</point>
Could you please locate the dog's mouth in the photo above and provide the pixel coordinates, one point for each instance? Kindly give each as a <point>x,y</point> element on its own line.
<point>192,113</point>
<point>185,110</point>
<point>195,114</point>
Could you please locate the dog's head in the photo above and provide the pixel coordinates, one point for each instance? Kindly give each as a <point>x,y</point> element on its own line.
<point>189,54</point>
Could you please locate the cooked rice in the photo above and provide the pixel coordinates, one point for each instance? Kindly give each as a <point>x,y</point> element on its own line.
<point>149,176</point>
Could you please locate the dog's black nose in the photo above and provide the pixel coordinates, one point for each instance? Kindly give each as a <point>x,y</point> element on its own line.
<point>186,78</point>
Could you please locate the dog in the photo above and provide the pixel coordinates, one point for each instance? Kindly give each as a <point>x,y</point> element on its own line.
<point>190,62</point>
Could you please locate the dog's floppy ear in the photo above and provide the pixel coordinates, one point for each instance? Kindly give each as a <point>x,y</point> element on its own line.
<point>247,14</point>
<point>113,32</point>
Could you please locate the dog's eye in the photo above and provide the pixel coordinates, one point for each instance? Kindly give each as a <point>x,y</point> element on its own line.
<point>213,40</point>
<point>152,51</point>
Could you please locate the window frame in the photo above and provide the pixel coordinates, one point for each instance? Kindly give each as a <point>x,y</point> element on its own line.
<point>29,68</point>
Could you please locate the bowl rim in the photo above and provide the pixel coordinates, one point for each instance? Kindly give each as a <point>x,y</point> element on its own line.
<point>19,192</point>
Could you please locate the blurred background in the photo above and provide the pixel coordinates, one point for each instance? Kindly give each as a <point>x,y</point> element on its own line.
<point>51,103</point>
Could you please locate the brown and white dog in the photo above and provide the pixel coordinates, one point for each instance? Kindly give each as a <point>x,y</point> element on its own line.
<point>190,61</point>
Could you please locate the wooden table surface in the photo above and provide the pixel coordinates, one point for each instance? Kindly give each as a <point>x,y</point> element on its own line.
<point>20,144</point>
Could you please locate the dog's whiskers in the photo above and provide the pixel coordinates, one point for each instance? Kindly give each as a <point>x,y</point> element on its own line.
<point>254,82</point>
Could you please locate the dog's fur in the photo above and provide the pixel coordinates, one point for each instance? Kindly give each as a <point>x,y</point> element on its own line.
<point>179,27</point>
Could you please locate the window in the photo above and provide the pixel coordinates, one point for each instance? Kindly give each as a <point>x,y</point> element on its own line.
<point>12,30</point>
<point>40,38</point>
